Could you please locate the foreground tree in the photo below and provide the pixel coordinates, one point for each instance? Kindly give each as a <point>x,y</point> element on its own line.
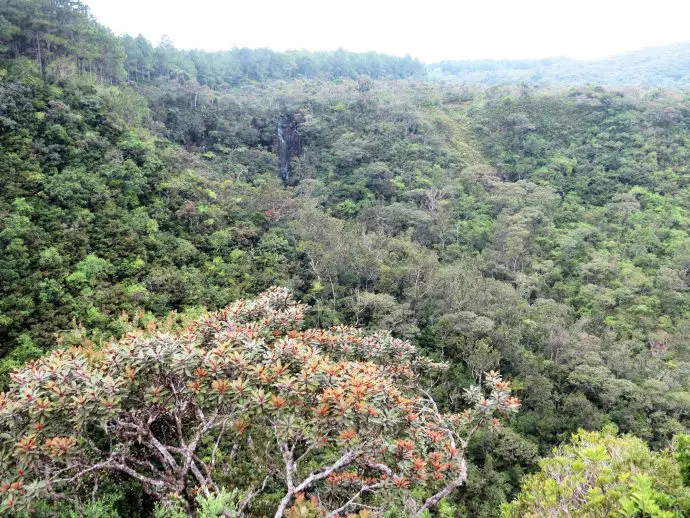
<point>241,400</point>
<point>604,474</point>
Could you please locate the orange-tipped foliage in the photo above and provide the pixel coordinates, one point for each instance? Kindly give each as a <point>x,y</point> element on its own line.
<point>333,405</point>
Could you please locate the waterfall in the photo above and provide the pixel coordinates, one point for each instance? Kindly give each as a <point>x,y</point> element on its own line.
<point>283,154</point>
<point>288,144</point>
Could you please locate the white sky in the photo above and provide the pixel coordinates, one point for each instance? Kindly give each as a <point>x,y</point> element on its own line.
<point>430,30</point>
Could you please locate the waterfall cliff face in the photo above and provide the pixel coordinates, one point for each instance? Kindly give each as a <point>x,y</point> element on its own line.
<point>288,145</point>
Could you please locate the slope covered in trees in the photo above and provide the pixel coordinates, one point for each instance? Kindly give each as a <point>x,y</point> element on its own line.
<point>540,232</point>
<point>655,67</point>
<point>65,40</point>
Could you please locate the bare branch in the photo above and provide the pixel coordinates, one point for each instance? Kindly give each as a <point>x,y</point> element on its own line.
<point>345,460</point>
<point>351,501</point>
<point>433,501</point>
<point>251,494</point>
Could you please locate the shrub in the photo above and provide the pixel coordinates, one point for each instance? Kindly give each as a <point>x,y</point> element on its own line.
<point>240,400</point>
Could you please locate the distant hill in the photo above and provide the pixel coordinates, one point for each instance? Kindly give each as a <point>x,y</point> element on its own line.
<point>667,66</point>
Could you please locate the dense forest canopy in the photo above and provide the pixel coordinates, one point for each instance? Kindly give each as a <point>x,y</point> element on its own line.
<point>64,39</point>
<point>539,232</point>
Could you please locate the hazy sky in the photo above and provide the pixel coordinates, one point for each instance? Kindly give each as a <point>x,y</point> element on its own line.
<point>430,30</point>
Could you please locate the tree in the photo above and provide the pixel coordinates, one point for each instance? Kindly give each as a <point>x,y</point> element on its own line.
<point>62,30</point>
<point>241,400</point>
<point>603,474</point>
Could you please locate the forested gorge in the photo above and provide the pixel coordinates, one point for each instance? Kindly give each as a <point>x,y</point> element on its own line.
<point>433,235</point>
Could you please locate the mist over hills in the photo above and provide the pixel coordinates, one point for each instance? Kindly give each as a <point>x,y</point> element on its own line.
<point>656,67</point>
